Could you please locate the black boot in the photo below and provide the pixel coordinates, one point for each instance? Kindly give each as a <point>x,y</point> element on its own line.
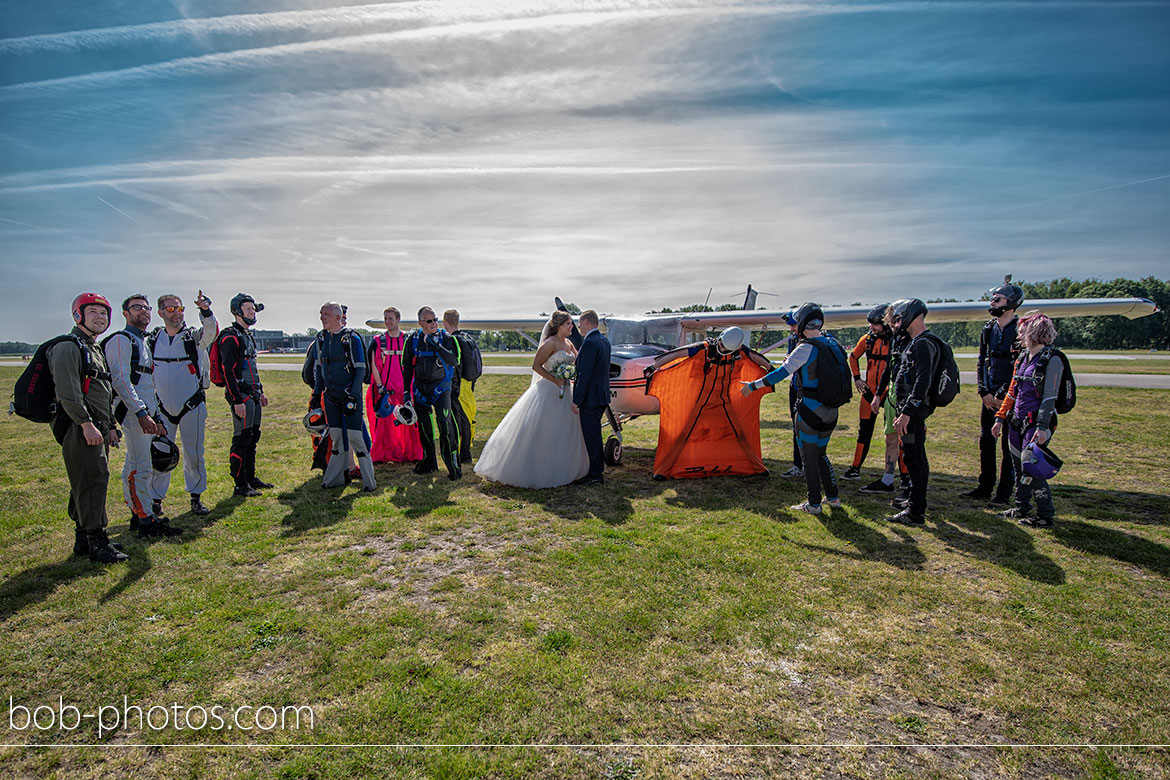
<point>81,543</point>
<point>100,549</point>
<point>250,465</point>
<point>245,491</point>
<point>156,510</point>
<point>152,526</point>
<point>197,507</point>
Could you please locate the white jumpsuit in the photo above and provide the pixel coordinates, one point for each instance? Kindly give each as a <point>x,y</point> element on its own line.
<point>177,381</point>
<point>136,397</point>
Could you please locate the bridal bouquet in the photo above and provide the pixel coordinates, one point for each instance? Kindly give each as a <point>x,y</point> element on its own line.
<point>566,371</point>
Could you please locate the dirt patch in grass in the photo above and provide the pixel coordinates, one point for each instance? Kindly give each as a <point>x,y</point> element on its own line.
<point>422,570</point>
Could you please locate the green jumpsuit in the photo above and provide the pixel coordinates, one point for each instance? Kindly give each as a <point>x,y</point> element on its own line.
<point>86,465</point>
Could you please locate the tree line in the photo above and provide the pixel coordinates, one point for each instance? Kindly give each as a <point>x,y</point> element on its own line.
<point>1116,332</point>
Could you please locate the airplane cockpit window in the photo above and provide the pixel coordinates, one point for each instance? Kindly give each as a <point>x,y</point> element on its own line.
<point>662,332</point>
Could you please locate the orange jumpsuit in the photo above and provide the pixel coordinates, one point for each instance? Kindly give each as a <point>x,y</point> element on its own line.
<point>877,358</point>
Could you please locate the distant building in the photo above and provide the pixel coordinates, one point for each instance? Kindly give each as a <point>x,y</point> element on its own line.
<point>279,341</point>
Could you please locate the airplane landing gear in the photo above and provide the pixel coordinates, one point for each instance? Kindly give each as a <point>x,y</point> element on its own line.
<point>613,445</point>
<point>613,451</point>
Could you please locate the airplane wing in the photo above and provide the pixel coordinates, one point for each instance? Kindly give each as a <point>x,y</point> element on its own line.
<point>835,316</point>
<point>962,311</point>
<point>526,324</point>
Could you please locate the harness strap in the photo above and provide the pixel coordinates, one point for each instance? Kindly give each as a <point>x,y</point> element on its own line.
<point>191,403</point>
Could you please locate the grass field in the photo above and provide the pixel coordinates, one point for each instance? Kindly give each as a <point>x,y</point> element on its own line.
<point>700,613</point>
<point>1139,363</point>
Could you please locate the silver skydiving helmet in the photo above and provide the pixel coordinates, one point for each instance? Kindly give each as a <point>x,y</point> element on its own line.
<point>730,340</point>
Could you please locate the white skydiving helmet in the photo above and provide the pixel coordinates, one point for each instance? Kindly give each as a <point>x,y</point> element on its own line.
<point>730,340</point>
<point>404,414</point>
<point>315,422</point>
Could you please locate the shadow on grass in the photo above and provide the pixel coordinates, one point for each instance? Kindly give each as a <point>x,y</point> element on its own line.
<point>871,544</point>
<point>312,506</point>
<point>1110,505</point>
<point>611,502</point>
<point>1106,542</point>
<point>139,549</point>
<point>420,494</point>
<point>34,585</point>
<point>132,570</point>
<point>998,541</point>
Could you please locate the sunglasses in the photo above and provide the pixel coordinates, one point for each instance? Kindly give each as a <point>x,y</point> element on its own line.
<point>428,322</point>
<point>139,307</point>
<point>173,309</point>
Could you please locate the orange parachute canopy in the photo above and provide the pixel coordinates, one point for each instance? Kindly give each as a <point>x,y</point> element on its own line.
<point>706,426</point>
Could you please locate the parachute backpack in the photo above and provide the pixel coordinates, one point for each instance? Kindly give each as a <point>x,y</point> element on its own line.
<point>1066,392</point>
<point>834,385</point>
<point>215,360</point>
<point>470,358</point>
<point>944,386</point>
<point>35,395</point>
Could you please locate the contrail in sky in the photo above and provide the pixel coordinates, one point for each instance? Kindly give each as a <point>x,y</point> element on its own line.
<point>123,213</point>
<point>1079,194</point>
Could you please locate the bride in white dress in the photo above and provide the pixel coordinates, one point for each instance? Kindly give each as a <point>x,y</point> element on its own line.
<point>539,444</point>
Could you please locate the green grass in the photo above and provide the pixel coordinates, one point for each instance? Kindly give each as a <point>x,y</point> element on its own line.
<point>1140,362</point>
<point>1090,366</point>
<point>643,612</point>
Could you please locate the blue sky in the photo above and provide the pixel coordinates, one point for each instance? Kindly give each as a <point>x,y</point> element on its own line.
<point>489,155</point>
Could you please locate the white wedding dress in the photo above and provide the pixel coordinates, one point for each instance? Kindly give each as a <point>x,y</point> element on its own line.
<point>538,444</point>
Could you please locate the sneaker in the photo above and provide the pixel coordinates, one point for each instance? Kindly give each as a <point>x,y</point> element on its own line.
<point>812,509</point>
<point>1014,514</point>
<point>851,473</point>
<point>257,484</point>
<point>979,493</point>
<point>877,486</point>
<point>835,503</point>
<point>905,518</point>
<point>1037,522</point>
<point>795,471</point>
<point>245,491</point>
<point>900,502</point>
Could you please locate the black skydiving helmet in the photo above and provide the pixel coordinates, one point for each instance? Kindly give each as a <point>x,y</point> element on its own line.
<point>237,307</point>
<point>877,316</point>
<point>906,311</point>
<point>164,455</point>
<point>1013,293</point>
<point>809,316</point>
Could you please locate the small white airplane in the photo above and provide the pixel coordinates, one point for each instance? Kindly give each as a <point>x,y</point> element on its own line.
<point>639,339</point>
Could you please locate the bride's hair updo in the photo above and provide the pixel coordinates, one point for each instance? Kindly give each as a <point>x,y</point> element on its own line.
<point>555,322</point>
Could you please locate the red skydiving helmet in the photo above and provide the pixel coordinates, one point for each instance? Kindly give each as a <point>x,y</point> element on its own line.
<point>87,299</point>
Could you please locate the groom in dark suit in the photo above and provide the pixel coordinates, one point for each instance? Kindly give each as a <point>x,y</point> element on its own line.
<point>591,393</point>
